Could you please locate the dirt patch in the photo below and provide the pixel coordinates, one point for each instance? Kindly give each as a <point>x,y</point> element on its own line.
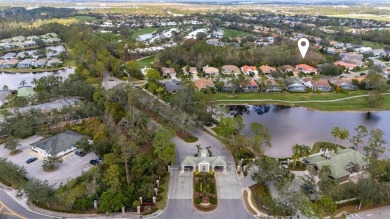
<point>187,137</point>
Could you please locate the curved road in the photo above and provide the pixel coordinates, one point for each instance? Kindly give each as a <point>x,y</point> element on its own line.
<point>13,209</point>
<point>230,203</point>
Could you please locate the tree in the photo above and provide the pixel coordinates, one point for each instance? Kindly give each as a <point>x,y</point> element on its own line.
<point>5,87</point>
<point>326,204</point>
<point>361,133</point>
<point>153,75</point>
<point>133,69</point>
<point>342,134</point>
<point>37,191</point>
<point>112,178</point>
<point>268,170</point>
<point>262,136</point>
<point>112,201</point>
<point>300,151</point>
<point>163,146</point>
<point>23,83</point>
<point>51,162</point>
<point>375,143</point>
<point>11,143</point>
<point>377,84</point>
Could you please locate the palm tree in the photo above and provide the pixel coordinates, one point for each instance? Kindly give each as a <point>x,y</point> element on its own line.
<point>23,83</point>
<point>198,148</point>
<point>300,150</point>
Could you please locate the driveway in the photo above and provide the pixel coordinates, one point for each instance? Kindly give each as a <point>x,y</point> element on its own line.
<point>108,84</point>
<point>71,167</point>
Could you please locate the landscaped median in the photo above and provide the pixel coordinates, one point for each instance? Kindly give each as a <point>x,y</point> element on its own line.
<point>205,192</point>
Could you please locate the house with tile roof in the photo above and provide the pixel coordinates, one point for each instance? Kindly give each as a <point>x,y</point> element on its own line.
<point>307,69</point>
<point>210,70</point>
<point>203,83</point>
<point>342,163</point>
<point>322,85</point>
<point>247,70</point>
<point>204,162</point>
<point>230,69</point>
<point>265,69</point>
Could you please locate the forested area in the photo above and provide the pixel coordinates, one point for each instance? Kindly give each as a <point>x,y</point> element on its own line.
<point>199,54</point>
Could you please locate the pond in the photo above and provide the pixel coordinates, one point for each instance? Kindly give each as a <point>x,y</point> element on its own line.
<point>12,80</point>
<point>297,125</point>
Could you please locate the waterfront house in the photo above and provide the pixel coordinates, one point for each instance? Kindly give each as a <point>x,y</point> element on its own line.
<point>10,63</point>
<point>203,83</point>
<point>322,85</point>
<point>26,63</point>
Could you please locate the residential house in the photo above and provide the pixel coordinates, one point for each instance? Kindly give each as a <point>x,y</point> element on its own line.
<point>230,69</point>
<point>10,63</point>
<point>3,97</point>
<point>363,50</point>
<point>272,86</point>
<point>307,69</point>
<point>55,63</point>
<point>203,83</point>
<point>347,65</point>
<point>342,163</point>
<point>29,43</point>
<point>173,86</point>
<point>351,56</point>
<point>247,70</point>
<point>250,86</point>
<point>168,71</point>
<point>40,63</point>
<point>191,70</point>
<point>229,86</point>
<point>2,62</point>
<point>9,56</point>
<point>344,84</point>
<point>204,162</point>
<point>32,38</point>
<point>307,82</point>
<point>18,39</point>
<point>26,63</point>
<point>54,40</point>
<point>296,88</point>
<point>210,70</point>
<point>379,52</point>
<point>287,68</point>
<point>26,92</point>
<point>265,69</point>
<point>322,85</point>
<point>58,145</point>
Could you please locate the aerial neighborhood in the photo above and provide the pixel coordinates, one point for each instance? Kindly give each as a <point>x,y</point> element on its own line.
<point>222,110</point>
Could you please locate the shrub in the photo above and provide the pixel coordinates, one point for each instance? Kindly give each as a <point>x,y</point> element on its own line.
<point>197,187</point>
<point>213,200</point>
<point>211,173</point>
<point>212,188</point>
<point>198,201</point>
<point>196,172</point>
<point>136,203</point>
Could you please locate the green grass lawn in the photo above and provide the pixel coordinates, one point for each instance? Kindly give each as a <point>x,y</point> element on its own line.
<point>85,18</point>
<point>373,45</point>
<point>234,33</point>
<point>356,104</point>
<point>146,62</point>
<point>143,31</point>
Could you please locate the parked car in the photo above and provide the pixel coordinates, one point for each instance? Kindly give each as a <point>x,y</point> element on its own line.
<point>96,161</point>
<point>30,160</point>
<point>79,153</point>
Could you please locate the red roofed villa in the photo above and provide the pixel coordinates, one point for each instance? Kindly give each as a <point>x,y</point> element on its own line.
<point>249,69</point>
<point>347,65</point>
<point>307,69</point>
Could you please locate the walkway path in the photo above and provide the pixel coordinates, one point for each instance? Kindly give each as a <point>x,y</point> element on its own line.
<point>299,101</point>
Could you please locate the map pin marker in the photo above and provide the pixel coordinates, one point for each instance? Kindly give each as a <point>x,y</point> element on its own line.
<point>303,48</point>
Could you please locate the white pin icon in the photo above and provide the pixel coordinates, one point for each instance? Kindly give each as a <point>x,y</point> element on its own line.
<point>303,48</point>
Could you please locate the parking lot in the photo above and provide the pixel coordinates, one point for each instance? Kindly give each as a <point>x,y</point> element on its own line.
<point>71,167</point>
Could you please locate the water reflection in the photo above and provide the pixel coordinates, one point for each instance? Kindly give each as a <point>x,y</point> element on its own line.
<point>295,125</point>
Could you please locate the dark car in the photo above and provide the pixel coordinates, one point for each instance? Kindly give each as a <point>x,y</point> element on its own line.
<point>30,160</point>
<point>96,161</point>
<point>80,153</point>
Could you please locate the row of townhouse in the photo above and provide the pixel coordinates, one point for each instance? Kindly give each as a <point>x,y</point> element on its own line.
<point>29,63</point>
<point>19,42</point>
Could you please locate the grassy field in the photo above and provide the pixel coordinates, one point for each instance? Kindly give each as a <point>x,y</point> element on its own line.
<point>143,31</point>
<point>356,104</point>
<point>28,70</point>
<point>234,33</point>
<point>373,45</point>
<point>85,18</point>
<point>146,62</point>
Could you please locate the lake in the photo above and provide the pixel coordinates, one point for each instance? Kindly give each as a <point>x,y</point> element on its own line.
<point>297,125</point>
<point>12,80</point>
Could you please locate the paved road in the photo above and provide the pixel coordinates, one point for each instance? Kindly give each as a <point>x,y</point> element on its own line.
<point>230,204</point>
<point>15,210</point>
<point>377,213</point>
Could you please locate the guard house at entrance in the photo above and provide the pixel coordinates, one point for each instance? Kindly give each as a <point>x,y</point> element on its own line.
<point>204,163</point>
